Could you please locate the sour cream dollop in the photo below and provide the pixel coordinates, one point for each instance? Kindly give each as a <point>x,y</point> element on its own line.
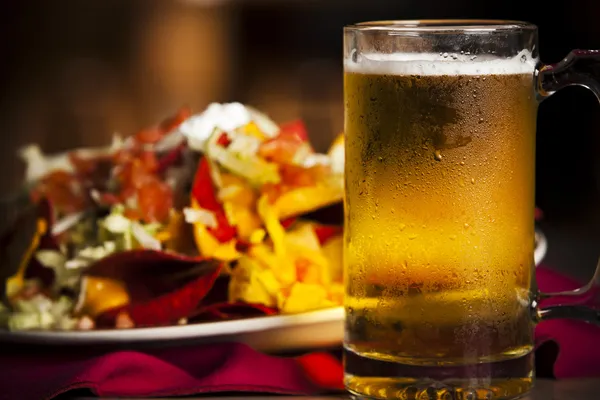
<point>225,117</point>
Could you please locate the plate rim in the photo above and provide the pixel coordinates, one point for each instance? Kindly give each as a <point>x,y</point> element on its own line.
<point>173,332</point>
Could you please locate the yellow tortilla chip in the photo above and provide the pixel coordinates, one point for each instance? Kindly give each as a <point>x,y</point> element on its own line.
<point>251,283</point>
<point>336,293</point>
<point>333,251</point>
<point>303,297</point>
<point>311,264</point>
<point>306,199</point>
<point>209,246</point>
<point>270,218</point>
<point>251,129</point>
<point>15,283</point>
<point>101,294</point>
<point>283,267</point>
<point>337,154</point>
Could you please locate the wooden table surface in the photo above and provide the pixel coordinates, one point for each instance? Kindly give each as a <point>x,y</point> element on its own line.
<point>576,389</point>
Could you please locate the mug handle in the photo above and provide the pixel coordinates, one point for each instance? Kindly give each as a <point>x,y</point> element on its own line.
<point>581,68</point>
<point>573,304</point>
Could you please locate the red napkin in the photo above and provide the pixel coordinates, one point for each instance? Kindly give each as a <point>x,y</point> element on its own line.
<point>571,345</point>
<point>43,373</point>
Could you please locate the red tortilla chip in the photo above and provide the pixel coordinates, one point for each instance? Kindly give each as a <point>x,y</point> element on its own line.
<point>163,287</point>
<point>229,311</point>
<point>286,223</point>
<point>326,232</point>
<point>35,270</point>
<point>20,227</point>
<point>203,192</point>
<point>330,215</point>
<point>149,274</point>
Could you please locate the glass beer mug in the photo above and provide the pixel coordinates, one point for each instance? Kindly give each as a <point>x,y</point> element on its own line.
<point>440,123</point>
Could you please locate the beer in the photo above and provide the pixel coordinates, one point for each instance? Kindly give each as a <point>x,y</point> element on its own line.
<point>439,233</point>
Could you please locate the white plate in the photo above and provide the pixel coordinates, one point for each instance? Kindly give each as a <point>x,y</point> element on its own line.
<point>313,330</point>
<point>317,329</point>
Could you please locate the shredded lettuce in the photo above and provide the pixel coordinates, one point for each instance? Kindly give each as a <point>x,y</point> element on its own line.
<point>127,234</point>
<point>205,217</point>
<point>68,272</point>
<point>240,162</point>
<point>39,312</point>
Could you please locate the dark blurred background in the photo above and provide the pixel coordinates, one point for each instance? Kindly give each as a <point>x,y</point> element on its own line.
<point>74,72</point>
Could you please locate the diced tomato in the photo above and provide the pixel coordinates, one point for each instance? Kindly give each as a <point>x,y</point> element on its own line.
<point>122,157</point>
<point>155,200</point>
<point>294,128</point>
<point>133,214</point>
<point>204,193</point>
<point>283,147</point>
<point>307,272</point>
<point>63,190</point>
<point>273,191</point>
<point>224,140</point>
<point>326,232</point>
<point>298,176</point>
<point>149,161</point>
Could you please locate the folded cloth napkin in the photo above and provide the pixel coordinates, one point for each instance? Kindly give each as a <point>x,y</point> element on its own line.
<point>570,347</point>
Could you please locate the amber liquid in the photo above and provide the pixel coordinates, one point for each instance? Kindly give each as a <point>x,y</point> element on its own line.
<point>439,235</point>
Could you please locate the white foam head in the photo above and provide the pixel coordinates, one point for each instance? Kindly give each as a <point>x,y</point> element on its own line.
<point>440,64</point>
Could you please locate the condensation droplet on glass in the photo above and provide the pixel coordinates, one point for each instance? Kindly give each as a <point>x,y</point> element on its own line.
<point>402,226</point>
<point>412,236</point>
<point>380,158</point>
<point>445,55</point>
<point>462,163</point>
<point>466,225</point>
<point>452,237</point>
<point>473,181</point>
<point>438,155</point>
